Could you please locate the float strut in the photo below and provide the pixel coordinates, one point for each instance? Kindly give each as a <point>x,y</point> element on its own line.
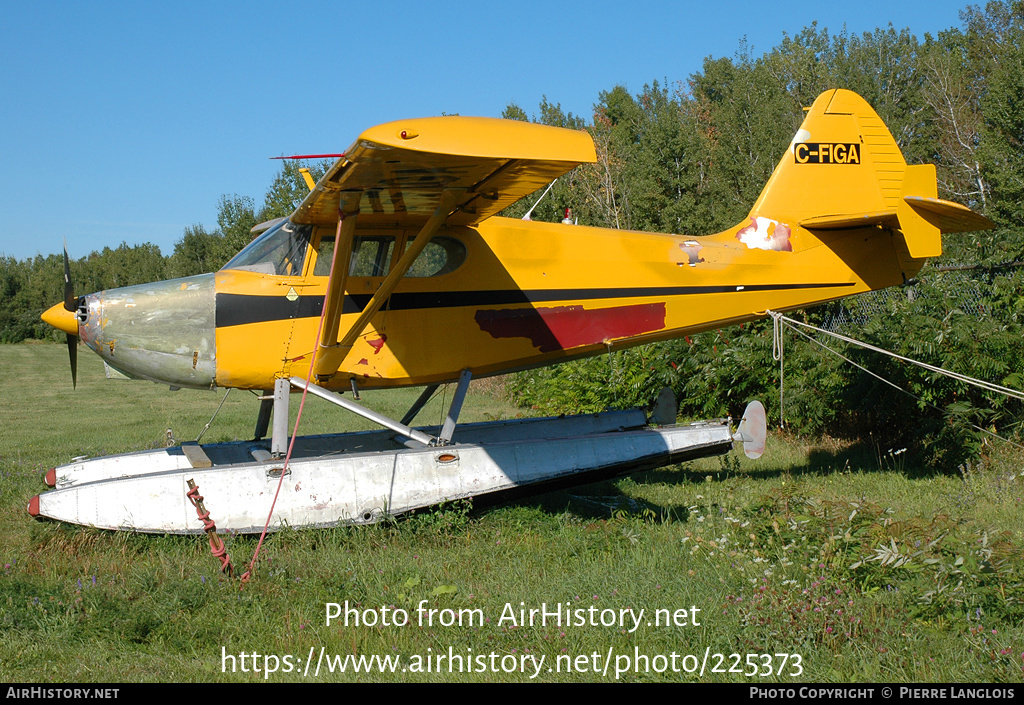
<point>453,411</point>
<point>424,397</point>
<point>263,419</point>
<point>279,440</point>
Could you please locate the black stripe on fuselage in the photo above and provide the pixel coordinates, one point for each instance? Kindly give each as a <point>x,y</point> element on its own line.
<point>243,309</point>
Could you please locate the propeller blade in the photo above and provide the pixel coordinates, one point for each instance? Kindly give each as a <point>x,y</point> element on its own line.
<point>73,356</point>
<point>71,304</point>
<point>70,301</point>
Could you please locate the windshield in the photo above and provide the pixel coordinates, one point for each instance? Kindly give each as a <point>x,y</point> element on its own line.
<point>281,251</point>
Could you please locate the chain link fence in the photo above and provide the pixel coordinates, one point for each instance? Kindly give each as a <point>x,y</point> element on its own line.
<point>963,289</point>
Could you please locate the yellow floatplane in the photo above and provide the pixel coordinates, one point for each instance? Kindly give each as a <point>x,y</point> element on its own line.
<point>397,271</point>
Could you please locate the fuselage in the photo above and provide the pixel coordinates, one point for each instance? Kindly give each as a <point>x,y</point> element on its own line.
<point>502,296</point>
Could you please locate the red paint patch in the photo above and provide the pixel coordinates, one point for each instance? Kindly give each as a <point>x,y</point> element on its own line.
<point>33,506</point>
<point>51,478</point>
<point>565,327</point>
<point>363,361</point>
<point>378,343</point>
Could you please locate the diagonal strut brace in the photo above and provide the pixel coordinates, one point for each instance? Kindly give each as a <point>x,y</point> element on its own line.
<point>400,428</point>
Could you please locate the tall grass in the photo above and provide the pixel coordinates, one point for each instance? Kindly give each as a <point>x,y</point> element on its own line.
<point>867,571</point>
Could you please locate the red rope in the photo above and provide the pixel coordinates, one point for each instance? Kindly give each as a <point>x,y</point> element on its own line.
<point>217,547</point>
<point>295,431</point>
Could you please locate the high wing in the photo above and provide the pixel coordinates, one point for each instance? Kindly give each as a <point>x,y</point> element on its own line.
<point>396,172</point>
<point>427,173</point>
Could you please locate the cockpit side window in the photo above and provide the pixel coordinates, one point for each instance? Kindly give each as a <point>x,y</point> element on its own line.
<point>371,257</point>
<point>280,251</point>
<point>324,256</point>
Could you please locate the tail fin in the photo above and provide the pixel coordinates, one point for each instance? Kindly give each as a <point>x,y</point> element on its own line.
<point>843,169</point>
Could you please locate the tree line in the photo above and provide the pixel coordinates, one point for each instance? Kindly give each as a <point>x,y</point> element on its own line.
<point>691,156</point>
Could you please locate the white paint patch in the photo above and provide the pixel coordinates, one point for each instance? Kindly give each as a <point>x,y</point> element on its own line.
<point>801,136</point>
<point>766,234</point>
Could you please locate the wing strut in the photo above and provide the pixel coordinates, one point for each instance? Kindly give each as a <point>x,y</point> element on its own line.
<point>335,299</point>
<point>330,356</point>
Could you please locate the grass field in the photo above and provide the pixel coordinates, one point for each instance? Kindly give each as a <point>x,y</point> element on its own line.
<point>816,563</point>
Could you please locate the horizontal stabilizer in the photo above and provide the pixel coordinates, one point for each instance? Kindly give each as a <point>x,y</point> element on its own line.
<point>947,216</point>
<point>919,215</point>
<point>850,220</point>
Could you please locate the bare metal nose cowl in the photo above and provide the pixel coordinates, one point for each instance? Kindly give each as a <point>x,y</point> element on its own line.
<point>165,332</point>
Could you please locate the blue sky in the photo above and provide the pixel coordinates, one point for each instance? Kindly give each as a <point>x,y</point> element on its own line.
<point>126,121</point>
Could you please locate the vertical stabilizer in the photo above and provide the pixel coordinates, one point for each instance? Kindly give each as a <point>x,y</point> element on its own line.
<point>844,170</point>
<point>842,161</point>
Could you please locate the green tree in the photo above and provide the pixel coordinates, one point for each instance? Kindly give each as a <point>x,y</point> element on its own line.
<point>289,188</point>
<point>749,123</point>
<point>563,193</point>
<point>236,217</point>
<point>514,112</point>
<point>197,252</point>
<point>952,90</point>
